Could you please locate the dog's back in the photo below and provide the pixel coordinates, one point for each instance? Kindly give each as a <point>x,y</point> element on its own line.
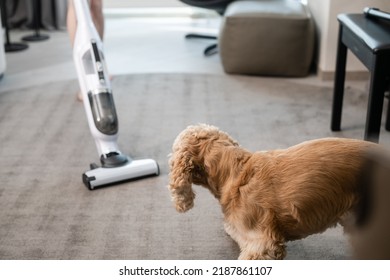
<point>314,183</point>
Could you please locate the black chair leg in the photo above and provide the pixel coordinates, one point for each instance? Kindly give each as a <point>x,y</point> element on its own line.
<point>387,126</point>
<point>339,82</point>
<point>375,101</point>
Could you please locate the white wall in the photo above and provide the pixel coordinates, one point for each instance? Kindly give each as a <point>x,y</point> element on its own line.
<point>325,15</point>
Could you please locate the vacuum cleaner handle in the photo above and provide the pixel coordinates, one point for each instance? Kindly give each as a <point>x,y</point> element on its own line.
<point>83,16</point>
<point>94,81</point>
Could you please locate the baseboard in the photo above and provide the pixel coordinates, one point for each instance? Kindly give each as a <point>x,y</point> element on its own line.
<point>350,75</point>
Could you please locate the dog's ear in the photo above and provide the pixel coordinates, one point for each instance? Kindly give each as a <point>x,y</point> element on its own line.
<point>180,182</point>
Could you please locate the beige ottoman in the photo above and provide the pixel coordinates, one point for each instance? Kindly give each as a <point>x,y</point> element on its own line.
<point>267,37</point>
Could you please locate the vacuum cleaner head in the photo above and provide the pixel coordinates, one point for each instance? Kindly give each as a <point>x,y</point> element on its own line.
<point>104,176</point>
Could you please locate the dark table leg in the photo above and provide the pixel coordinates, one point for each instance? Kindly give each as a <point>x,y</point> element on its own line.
<point>338,91</point>
<point>378,85</point>
<point>388,115</point>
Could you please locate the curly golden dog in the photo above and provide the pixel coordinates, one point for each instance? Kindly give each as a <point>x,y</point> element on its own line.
<point>268,197</point>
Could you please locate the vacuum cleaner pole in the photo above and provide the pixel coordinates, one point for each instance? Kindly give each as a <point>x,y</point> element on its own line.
<point>100,108</point>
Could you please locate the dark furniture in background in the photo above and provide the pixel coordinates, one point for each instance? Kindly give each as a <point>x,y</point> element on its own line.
<point>369,40</point>
<point>8,45</point>
<point>217,5</point>
<point>36,23</point>
<point>22,14</point>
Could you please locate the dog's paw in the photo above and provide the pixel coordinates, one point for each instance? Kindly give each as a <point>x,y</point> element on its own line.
<point>183,203</point>
<point>184,206</point>
<point>183,198</point>
<point>255,256</point>
<point>278,252</point>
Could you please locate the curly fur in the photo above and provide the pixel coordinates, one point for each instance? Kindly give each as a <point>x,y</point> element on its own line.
<point>269,197</point>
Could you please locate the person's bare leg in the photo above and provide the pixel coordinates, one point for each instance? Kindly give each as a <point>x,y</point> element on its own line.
<point>71,22</point>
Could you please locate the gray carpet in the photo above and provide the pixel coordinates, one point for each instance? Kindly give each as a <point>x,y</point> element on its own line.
<point>47,213</point>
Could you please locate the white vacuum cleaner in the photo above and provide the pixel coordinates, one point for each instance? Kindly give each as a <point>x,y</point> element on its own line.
<point>100,109</point>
